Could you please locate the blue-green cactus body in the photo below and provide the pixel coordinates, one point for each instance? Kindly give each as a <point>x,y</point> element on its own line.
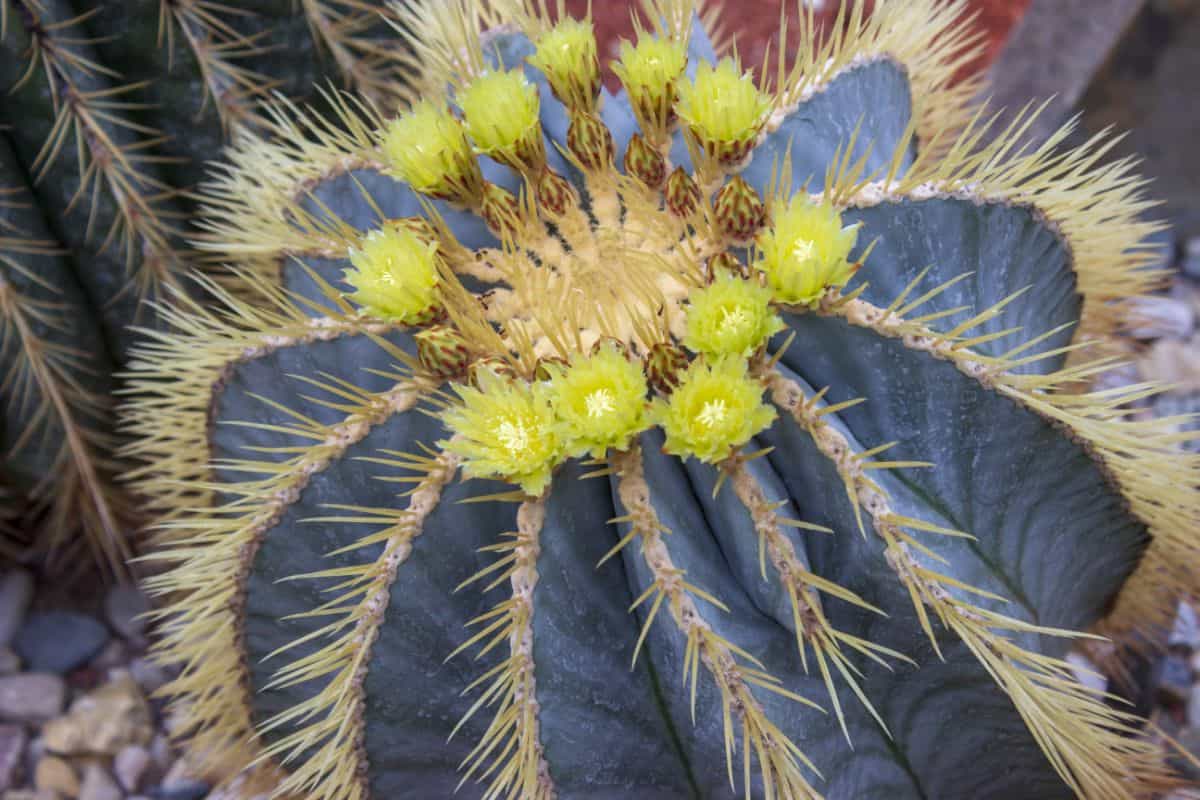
<point>1054,537</point>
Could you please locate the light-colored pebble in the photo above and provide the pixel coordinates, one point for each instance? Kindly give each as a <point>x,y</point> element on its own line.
<point>56,775</point>
<point>1174,362</point>
<point>1086,672</point>
<point>31,697</point>
<point>10,662</point>
<point>1161,318</point>
<point>98,785</point>
<point>103,721</point>
<point>160,752</point>
<point>1193,708</point>
<point>33,794</point>
<point>1186,630</point>
<point>114,655</point>
<point>130,765</point>
<point>150,676</point>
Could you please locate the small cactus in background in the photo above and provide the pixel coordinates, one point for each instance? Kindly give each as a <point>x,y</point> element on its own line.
<point>107,119</point>
<point>714,438</point>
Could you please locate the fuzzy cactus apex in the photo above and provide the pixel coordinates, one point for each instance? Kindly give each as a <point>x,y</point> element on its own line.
<point>721,437</point>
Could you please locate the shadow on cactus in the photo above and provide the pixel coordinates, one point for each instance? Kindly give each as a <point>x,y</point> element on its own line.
<point>715,438</point>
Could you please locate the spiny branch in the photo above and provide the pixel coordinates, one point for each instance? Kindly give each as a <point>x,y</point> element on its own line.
<point>110,148</point>
<point>510,751</point>
<point>803,588</point>
<point>732,669</point>
<point>59,412</point>
<point>1095,749</point>
<point>326,745</point>
<point>1144,456</point>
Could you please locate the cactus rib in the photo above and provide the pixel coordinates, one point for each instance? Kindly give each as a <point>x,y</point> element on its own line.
<point>812,625</point>
<point>733,670</point>
<point>358,610</point>
<point>510,751</point>
<point>40,375</point>
<point>218,47</point>
<point>1138,455</point>
<point>110,149</point>
<point>1092,746</point>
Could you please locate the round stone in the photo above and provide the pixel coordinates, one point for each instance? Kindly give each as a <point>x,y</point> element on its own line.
<point>59,641</point>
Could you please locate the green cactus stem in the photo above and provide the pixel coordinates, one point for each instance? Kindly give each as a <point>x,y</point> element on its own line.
<point>752,456</point>
<point>109,116</point>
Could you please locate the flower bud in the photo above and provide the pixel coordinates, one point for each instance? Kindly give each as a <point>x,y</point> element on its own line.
<point>395,275</point>
<point>645,163</point>
<point>731,316</point>
<point>806,251</point>
<point>555,193</point>
<point>665,362</point>
<point>716,408</point>
<point>590,141</point>
<point>443,352</point>
<point>501,211</point>
<point>682,195</point>
<point>649,71</point>
<point>739,211</point>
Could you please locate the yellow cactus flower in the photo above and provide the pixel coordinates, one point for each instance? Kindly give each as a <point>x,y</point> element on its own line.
<point>600,402</point>
<point>724,108</point>
<point>395,274</point>
<point>730,317</point>
<point>714,410</point>
<point>806,251</point>
<point>505,430</point>
<point>649,71</point>
<point>566,54</point>
<point>428,149</point>
<point>501,111</point>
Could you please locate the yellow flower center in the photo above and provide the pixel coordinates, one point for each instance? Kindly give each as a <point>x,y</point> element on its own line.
<point>734,320</point>
<point>513,435</point>
<point>802,250</point>
<point>713,413</point>
<point>599,403</point>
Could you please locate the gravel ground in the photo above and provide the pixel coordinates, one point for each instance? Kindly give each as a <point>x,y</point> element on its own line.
<point>78,718</point>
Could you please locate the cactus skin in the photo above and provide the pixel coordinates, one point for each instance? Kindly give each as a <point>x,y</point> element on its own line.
<point>144,92</point>
<point>339,612</point>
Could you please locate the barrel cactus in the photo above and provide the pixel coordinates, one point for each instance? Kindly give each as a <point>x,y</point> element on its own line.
<point>107,119</point>
<point>718,437</point>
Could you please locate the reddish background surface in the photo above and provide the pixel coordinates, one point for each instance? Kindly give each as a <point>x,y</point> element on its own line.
<point>755,23</point>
